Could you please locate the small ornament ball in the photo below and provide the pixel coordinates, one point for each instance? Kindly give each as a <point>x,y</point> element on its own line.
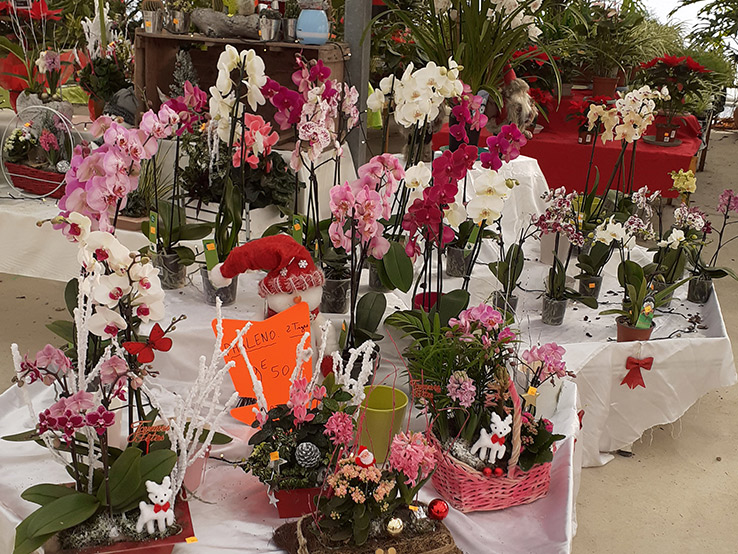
<point>487,471</point>
<point>395,526</point>
<point>437,509</point>
<point>498,471</point>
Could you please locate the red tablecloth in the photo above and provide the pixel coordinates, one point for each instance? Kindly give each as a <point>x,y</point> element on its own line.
<point>564,161</point>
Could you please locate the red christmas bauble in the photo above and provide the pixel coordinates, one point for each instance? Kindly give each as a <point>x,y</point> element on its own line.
<point>498,471</point>
<point>437,509</point>
<point>487,471</point>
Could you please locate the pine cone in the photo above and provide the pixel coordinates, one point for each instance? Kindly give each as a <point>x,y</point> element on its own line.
<point>307,454</point>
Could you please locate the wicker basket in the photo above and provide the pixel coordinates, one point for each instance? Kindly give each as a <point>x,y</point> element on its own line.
<point>35,181</point>
<point>469,490</point>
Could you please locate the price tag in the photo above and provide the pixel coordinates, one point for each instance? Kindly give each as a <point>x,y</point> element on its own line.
<point>175,21</point>
<point>211,253</point>
<point>592,285</point>
<point>274,456</point>
<point>190,540</point>
<point>153,226</point>
<point>412,508</point>
<point>147,24</point>
<point>297,229</point>
<point>532,391</point>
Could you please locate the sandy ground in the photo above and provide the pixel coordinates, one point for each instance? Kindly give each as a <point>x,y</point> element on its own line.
<point>676,494</point>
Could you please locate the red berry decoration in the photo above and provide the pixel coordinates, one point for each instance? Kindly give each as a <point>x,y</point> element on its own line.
<point>498,471</point>
<point>437,509</point>
<point>487,472</point>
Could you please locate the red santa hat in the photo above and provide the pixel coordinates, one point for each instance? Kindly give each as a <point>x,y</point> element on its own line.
<point>290,266</point>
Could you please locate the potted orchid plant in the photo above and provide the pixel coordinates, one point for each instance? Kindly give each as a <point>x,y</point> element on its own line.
<point>700,287</point>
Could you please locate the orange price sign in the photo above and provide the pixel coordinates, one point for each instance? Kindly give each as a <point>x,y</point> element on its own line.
<point>271,346</point>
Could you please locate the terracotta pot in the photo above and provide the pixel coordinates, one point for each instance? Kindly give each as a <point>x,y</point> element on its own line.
<point>604,86</point>
<point>95,107</point>
<point>296,502</point>
<point>585,137</point>
<point>626,333</point>
<point>666,132</point>
<point>152,546</point>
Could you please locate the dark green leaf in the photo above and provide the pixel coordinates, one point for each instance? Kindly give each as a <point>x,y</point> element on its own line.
<point>30,435</point>
<point>370,311</point>
<point>124,479</point>
<point>44,493</point>
<point>63,329</point>
<point>399,267</point>
<point>195,231</point>
<point>452,304</point>
<point>71,292</point>
<point>185,254</point>
<point>62,513</point>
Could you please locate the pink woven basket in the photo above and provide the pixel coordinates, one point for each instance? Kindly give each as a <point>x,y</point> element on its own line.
<point>469,490</point>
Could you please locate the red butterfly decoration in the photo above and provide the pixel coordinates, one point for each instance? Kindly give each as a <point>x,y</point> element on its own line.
<point>144,351</point>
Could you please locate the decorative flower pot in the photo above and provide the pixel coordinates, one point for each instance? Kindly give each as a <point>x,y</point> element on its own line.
<point>626,333</point>
<point>457,264</point>
<point>296,502</point>
<point>604,86</point>
<point>335,296</point>
<point>553,311</point>
<point>665,132</point>
<point>658,286</point>
<point>227,294</point>
<point>313,27</point>
<point>590,285</point>
<point>178,22</point>
<point>505,303</point>
<point>699,290</point>
<point>375,283</point>
<point>35,181</point>
<point>150,546</point>
<point>585,136</point>
<point>290,30</point>
<point>425,301</point>
<point>269,29</point>
<point>171,273</point>
<point>152,21</point>
<point>381,416</point>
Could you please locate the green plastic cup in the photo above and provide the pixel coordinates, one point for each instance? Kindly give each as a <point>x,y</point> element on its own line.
<point>381,416</point>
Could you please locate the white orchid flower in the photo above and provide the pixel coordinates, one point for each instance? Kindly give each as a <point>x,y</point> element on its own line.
<point>674,240</point>
<point>455,215</point>
<point>418,176</point>
<point>106,323</point>
<point>109,289</point>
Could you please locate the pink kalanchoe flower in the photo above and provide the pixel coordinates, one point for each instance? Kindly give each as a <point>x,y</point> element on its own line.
<point>340,428</point>
<point>413,456</point>
<point>461,388</point>
<point>53,359</point>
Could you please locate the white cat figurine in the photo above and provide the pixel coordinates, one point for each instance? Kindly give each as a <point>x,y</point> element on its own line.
<point>491,446</point>
<point>161,511</point>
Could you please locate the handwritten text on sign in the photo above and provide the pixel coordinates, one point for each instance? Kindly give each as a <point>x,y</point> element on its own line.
<point>271,346</point>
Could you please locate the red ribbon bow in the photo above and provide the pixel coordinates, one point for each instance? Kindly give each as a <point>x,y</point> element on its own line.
<point>634,378</point>
<point>497,440</point>
<point>161,507</point>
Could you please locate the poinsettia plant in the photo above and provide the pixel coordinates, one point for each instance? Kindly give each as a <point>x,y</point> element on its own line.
<point>681,76</point>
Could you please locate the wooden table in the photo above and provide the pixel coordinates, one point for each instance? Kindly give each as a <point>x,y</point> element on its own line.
<point>155,55</point>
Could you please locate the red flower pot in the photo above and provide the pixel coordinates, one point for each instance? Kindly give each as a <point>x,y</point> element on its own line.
<point>296,502</point>
<point>604,86</point>
<point>626,333</point>
<point>35,181</point>
<point>425,301</point>
<point>153,546</point>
